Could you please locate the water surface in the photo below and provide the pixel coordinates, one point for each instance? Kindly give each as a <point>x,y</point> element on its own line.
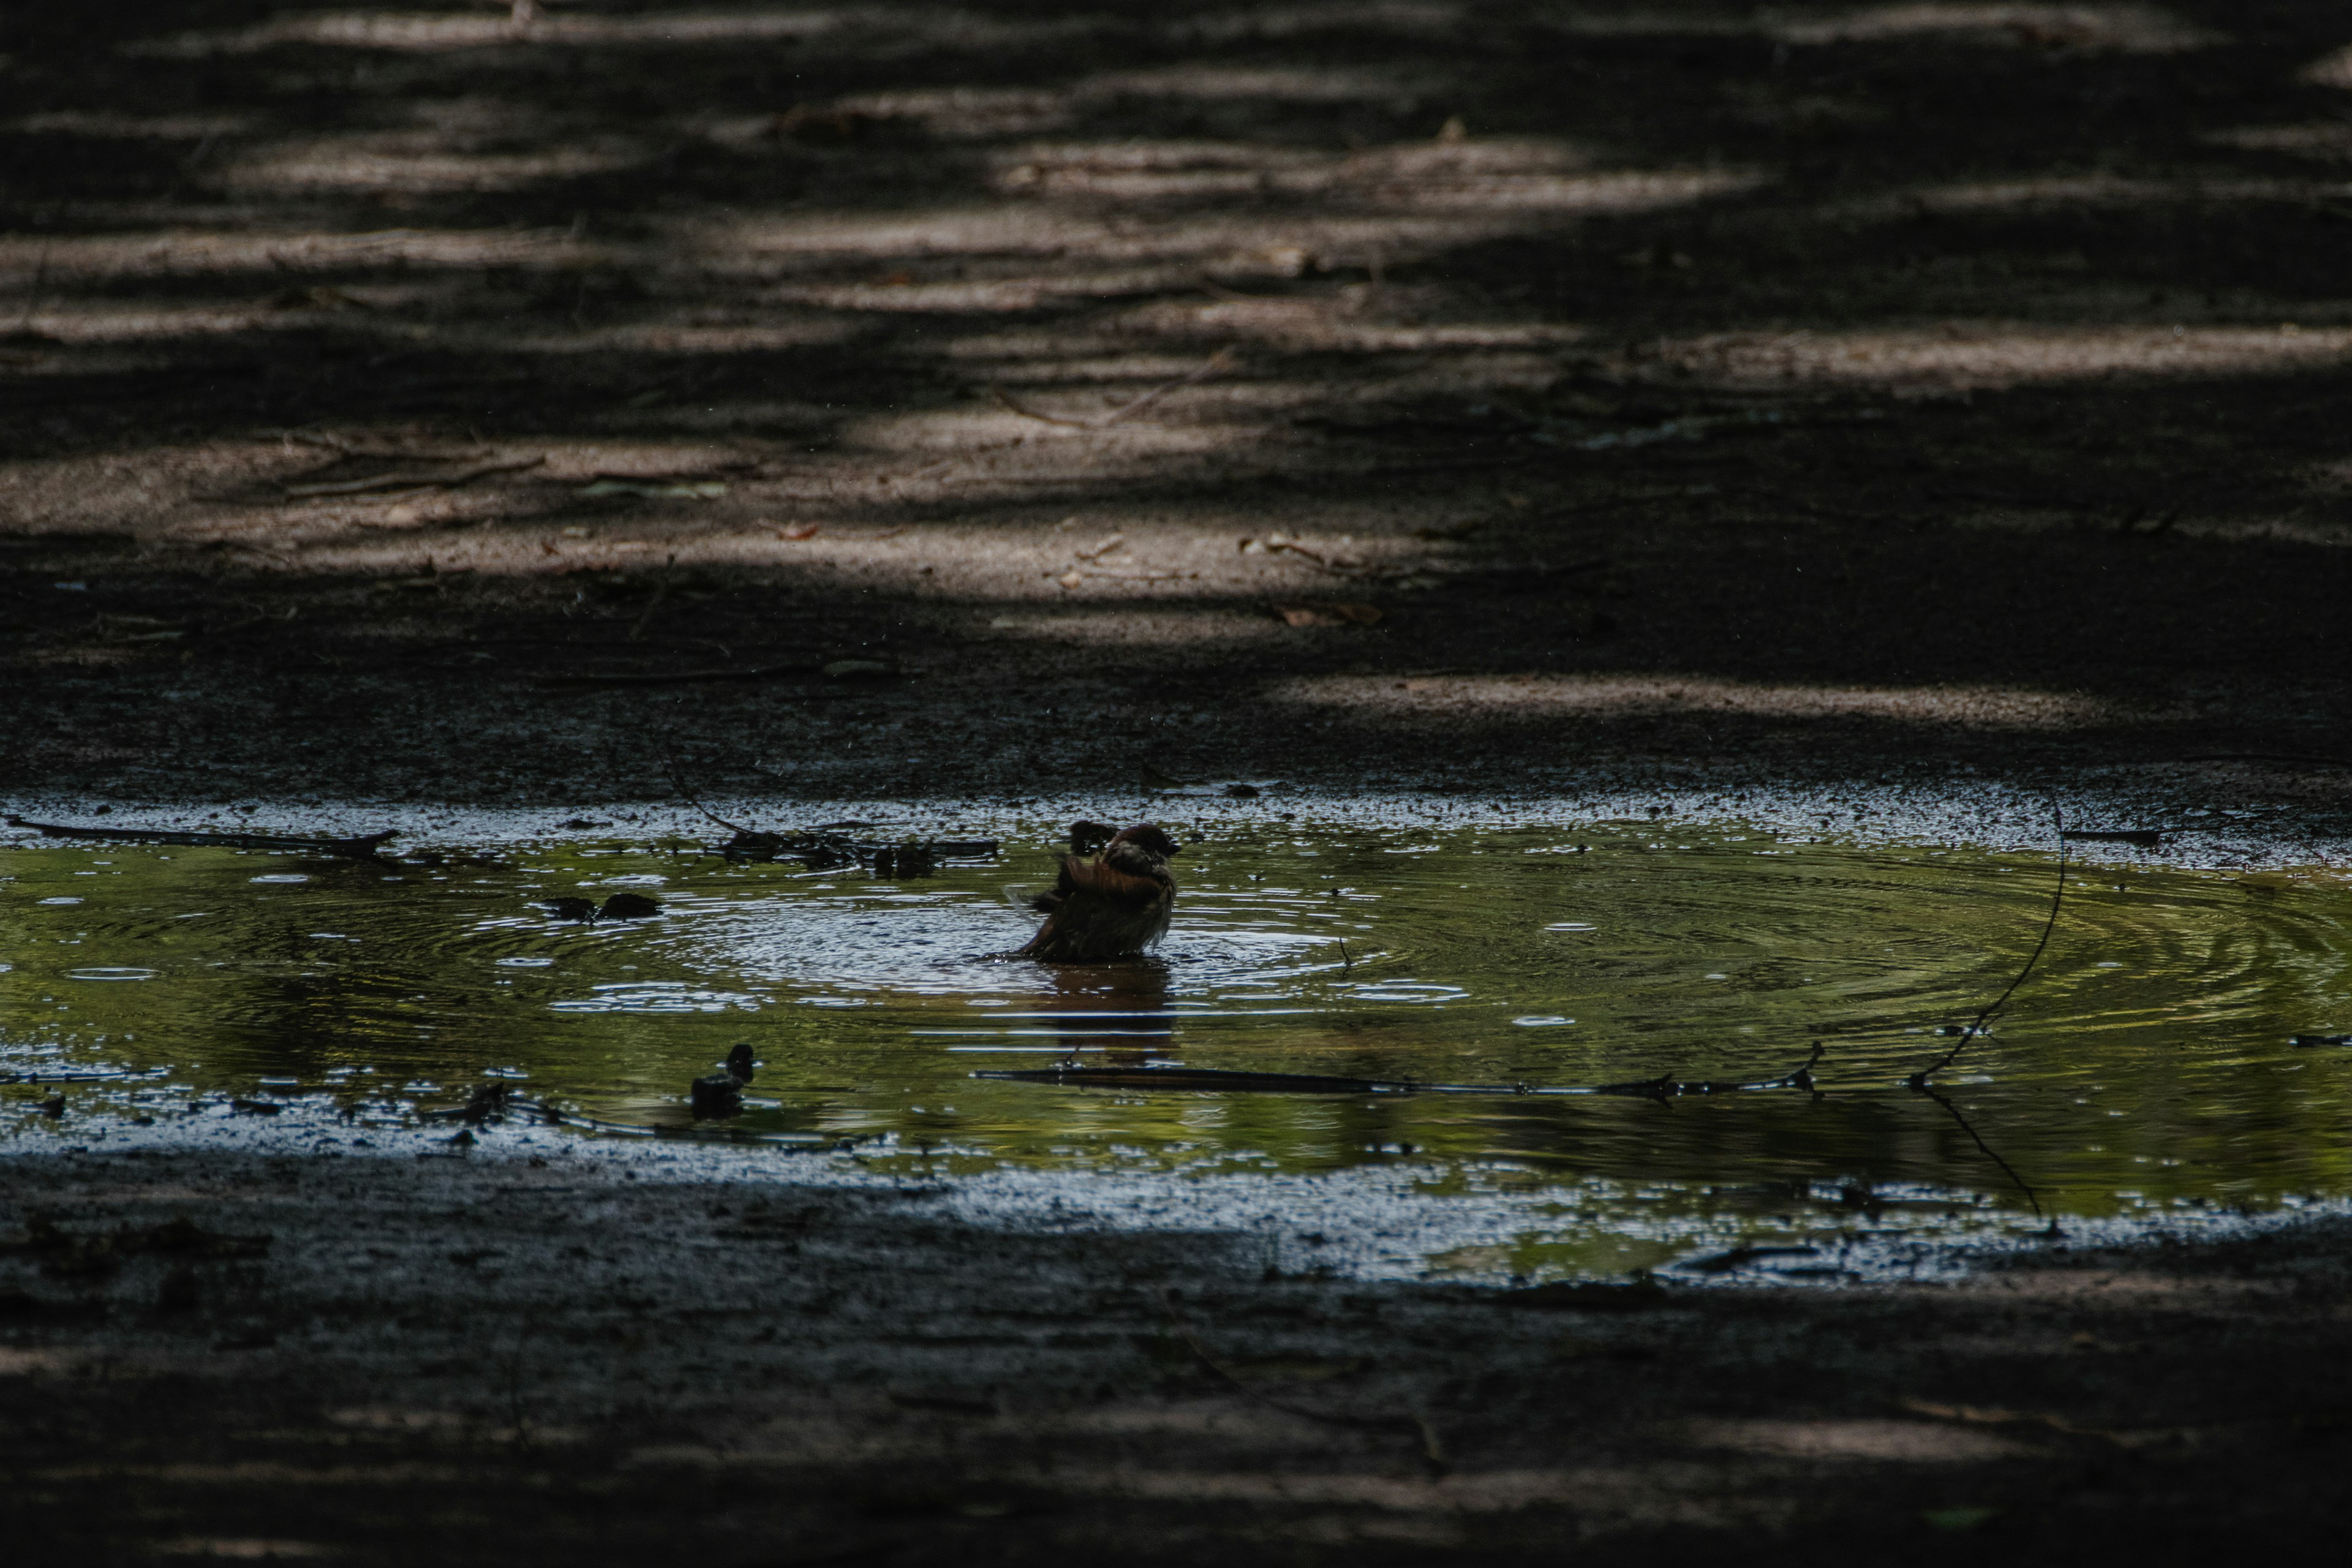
<point>2143,1069</point>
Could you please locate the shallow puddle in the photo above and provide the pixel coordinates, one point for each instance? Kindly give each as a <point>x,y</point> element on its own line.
<point>2145,1068</point>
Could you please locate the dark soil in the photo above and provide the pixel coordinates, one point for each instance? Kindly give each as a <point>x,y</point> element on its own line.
<point>568,1360</point>
<point>1674,385</point>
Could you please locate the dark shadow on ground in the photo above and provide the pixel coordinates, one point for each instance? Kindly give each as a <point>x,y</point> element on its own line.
<point>1483,389</point>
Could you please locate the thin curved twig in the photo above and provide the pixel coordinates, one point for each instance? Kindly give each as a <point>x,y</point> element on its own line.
<point>2057,899</point>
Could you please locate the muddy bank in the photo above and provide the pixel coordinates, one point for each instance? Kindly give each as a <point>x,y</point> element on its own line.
<point>416,1349</point>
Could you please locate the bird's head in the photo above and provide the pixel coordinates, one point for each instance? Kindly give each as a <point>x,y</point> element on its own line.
<point>1148,835</point>
<point>1086,837</point>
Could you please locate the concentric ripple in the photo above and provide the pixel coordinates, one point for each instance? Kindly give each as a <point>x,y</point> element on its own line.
<point>2145,1064</point>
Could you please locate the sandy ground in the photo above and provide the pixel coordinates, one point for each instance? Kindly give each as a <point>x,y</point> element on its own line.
<point>390,1349</point>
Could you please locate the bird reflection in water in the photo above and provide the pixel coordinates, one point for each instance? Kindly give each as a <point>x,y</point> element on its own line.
<point>1113,1012</point>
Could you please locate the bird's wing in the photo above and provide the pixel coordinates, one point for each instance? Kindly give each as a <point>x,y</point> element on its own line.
<point>1107,883</point>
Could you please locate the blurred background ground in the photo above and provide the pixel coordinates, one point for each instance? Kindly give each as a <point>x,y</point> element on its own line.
<point>405,402</point>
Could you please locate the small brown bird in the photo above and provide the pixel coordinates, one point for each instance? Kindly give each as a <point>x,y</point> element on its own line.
<point>1113,906</point>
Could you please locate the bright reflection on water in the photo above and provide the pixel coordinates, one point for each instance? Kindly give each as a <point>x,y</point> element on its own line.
<point>2143,1066</point>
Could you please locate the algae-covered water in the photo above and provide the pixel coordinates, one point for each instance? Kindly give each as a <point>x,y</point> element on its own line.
<point>2145,1066</point>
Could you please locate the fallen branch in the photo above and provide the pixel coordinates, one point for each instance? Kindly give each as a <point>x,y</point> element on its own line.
<point>1220,1080</point>
<point>363,847</point>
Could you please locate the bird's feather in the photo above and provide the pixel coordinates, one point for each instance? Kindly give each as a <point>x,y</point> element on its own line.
<point>1107,908</point>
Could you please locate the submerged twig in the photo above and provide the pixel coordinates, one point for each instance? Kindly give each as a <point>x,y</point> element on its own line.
<point>2057,899</point>
<point>1920,1086</point>
<point>1217,1079</point>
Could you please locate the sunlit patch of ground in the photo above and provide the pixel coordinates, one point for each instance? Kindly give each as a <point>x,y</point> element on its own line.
<point>2062,193</point>
<point>1433,695</point>
<point>418,161</point>
<point>906,27</point>
<point>2331,70</point>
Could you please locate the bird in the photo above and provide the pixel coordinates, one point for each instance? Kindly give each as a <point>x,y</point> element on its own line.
<point>1113,906</point>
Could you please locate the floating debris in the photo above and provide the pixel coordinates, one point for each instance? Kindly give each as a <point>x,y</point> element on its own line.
<point>628,907</point>
<point>907,861</point>
<point>822,851</point>
<point>1219,1080</point>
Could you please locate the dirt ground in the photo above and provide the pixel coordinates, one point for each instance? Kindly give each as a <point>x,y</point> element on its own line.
<point>412,405</point>
<point>396,1354</point>
<point>406,404</point>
